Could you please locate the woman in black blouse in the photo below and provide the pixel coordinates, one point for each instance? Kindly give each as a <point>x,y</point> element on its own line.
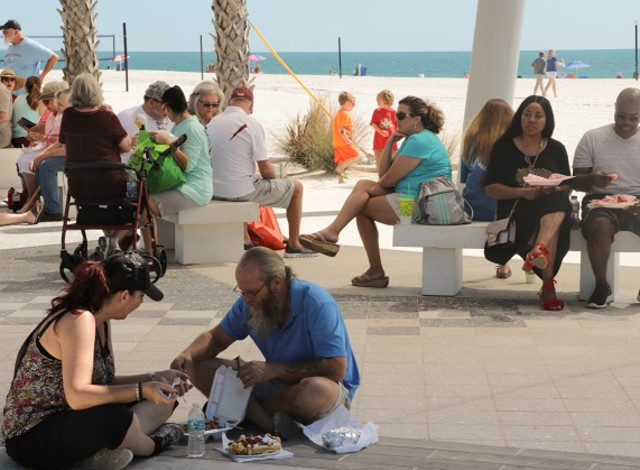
<point>541,212</point>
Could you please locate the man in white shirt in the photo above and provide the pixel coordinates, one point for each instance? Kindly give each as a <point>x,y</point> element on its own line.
<point>612,151</point>
<point>150,114</point>
<point>237,145</point>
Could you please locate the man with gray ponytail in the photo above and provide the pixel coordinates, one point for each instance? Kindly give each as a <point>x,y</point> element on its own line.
<point>309,368</point>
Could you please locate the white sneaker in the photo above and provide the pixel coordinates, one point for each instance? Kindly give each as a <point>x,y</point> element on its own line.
<point>107,459</point>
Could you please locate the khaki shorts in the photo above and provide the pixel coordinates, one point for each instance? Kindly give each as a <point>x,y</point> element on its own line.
<point>267,192</point>
<point>266,390</point>
<point>172,201</point>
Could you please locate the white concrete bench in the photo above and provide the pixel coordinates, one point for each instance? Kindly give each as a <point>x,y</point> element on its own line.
<point>442,245</point>
<point>8,173</point>
<point>208,234</point>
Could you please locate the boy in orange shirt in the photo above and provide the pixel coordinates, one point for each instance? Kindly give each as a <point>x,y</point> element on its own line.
<point>344,150</point>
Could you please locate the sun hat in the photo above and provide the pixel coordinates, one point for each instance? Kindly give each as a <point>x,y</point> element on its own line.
<point>156,90</point>
<point>11,24</point>
<point>11,74</point>
<point>127,270</point>
<point>50,89</point>
<point>242,93</point>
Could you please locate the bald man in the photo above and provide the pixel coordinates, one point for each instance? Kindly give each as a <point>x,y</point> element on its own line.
<point>613,151</point>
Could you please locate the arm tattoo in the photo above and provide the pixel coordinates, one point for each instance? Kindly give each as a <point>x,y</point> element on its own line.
<point>314,367</point>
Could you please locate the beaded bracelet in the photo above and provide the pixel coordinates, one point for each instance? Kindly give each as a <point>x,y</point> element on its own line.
<point>139,391</point>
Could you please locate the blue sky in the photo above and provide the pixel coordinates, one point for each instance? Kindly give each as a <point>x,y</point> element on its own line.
<point>363,25</point>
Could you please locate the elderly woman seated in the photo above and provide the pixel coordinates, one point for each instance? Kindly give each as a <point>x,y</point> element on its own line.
<point>421,156</point>
<point>192,156</point>
<point>205,102</point>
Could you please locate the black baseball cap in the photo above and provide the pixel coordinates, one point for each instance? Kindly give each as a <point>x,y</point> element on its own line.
<point>127,270</point>
<point>11,24</point>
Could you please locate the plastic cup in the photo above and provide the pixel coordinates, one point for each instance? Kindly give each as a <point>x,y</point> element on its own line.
<point>530,277</point>
<point>405,208</point>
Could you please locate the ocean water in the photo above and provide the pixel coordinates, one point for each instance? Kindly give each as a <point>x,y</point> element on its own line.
<point>602,63</point>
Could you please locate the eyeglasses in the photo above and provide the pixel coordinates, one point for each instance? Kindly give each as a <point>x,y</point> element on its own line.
<point>400,115</point>
<point>250,294</point>
<point>627,117</point>
<point>206,104</point>
<point>8,79</point>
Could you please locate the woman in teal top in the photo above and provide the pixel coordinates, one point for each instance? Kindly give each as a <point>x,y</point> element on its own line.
<point>192,156</point>
<point>421,156</point>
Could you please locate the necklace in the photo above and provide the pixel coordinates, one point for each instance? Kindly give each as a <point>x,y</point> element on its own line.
<point>527,158</point>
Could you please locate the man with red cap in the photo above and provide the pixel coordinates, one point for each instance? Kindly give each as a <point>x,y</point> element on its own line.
<point>237,145</point>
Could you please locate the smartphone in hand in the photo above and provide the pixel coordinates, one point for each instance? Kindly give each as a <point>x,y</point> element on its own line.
<point>25,123</point>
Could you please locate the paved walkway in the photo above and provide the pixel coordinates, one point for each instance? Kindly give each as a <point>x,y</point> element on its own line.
<point>482,380</point>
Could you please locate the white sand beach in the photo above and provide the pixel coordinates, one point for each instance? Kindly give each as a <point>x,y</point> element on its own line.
<point>581,104</point>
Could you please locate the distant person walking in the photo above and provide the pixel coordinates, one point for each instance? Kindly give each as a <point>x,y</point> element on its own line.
<point>24,55</point>
<point>539,66</point>
<point>552,72</point>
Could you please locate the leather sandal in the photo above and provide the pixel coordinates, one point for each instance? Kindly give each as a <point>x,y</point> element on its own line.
<point>318,243</point>
<point>553,303</point>
<point>368,281</point>
<point>538,257</point>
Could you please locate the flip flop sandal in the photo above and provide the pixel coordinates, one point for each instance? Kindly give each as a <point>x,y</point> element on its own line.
<point>343,174</point>
<point>366,281</point>
<point>319,244</point>
<point>37,213</point>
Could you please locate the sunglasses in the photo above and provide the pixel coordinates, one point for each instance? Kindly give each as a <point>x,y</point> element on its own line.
<point>206,104</point>
<point>8,79</point>
<point>628,117</point>
<point>46,101</point>
<point>400,115</point>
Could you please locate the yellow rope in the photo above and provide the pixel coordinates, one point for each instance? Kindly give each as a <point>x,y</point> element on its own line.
<point>286,67</point>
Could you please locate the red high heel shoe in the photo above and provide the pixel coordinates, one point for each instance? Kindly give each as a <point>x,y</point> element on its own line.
<point>553,303</point>
<point>538,257</point>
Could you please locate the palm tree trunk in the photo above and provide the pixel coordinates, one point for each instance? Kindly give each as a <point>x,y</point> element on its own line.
<point>231,44</point>
<point>79,35</point>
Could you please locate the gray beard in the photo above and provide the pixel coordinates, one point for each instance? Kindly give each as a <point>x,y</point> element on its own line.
<point>263,320</point>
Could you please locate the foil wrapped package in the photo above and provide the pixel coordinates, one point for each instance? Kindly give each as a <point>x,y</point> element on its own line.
<point>340,436</point>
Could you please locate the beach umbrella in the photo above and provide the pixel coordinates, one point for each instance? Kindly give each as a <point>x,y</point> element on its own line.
<point>119,57</point>
<point>256,58</point>
<point>577,64</point>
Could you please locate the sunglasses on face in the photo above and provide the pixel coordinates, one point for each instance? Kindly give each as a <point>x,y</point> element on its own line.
<point>8,79</point>
<point>206,104</point>
<point>627,117</point>
<point>400,115</point>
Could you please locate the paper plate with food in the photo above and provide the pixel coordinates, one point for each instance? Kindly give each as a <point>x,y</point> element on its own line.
<point>553,179</point>
<point>254,447</point>
<point>613,201</point>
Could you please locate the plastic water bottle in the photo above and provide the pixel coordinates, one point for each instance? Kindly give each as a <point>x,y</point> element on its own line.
<point>132,188</point>
<point>196,425</point>
<point>575,212</point>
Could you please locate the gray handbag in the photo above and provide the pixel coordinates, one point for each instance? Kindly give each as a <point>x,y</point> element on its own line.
<point>440,203</point>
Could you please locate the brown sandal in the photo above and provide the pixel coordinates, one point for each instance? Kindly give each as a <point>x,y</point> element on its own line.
<point>319,244</point>
<point>366,281</point>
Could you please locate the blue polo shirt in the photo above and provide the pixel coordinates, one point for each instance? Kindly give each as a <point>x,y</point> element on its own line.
<point>314,328</point>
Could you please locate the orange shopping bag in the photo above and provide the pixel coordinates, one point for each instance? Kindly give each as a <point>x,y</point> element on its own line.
<point>266,232</point>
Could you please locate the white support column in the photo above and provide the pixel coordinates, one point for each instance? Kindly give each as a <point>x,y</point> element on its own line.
<point>496,50</point>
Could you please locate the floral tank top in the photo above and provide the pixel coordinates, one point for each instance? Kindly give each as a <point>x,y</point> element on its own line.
<point>37,390</point>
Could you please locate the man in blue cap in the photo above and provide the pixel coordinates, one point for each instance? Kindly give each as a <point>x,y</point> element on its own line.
<point>24,55</point>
